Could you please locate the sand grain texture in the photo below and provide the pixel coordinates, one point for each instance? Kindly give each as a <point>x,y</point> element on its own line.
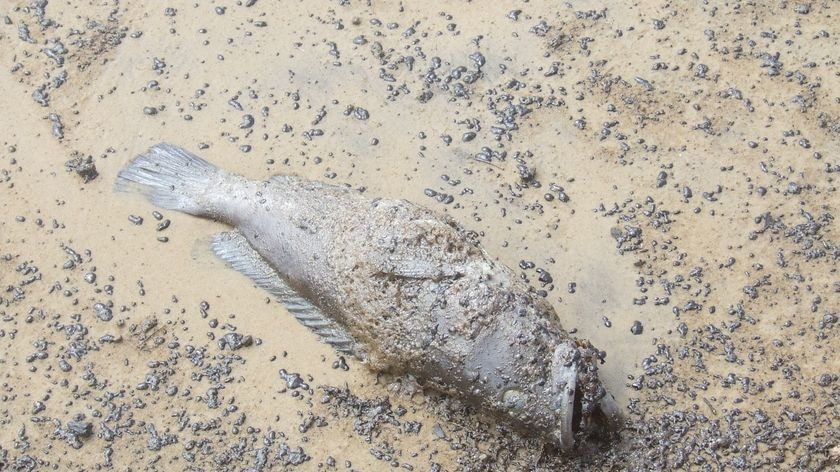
<point>670,164</point>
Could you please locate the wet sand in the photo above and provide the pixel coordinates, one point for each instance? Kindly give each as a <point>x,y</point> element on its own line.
<point>667,164</point>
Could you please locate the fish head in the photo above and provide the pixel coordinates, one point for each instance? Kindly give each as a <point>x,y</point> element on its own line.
<point>580,403</point>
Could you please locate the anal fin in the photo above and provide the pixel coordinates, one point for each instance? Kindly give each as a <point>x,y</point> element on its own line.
<point>234,249</point>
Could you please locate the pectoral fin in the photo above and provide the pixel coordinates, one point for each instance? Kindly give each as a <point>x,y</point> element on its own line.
<point>234,249</point>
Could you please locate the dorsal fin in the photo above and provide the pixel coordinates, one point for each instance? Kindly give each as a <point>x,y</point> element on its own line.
<point>233,248</point>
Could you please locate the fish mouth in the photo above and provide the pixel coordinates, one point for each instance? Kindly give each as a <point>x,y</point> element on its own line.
<point>575,420</point>
<point>575,424</point>
<point>571,403</point>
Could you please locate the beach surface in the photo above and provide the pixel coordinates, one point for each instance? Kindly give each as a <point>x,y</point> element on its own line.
<point>665,174</point>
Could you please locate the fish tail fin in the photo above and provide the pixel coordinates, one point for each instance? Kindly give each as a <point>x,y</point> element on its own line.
<point>170,177</point>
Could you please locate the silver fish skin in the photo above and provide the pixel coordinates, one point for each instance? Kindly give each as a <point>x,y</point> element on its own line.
<point>403,288</point>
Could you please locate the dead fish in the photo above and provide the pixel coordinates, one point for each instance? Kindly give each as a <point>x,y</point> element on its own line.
<point>404,289</point>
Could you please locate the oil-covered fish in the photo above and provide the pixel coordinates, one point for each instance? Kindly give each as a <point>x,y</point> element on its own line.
<point>401,287</point>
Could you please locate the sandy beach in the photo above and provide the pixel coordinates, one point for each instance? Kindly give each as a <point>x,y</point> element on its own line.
<point>664,174</point>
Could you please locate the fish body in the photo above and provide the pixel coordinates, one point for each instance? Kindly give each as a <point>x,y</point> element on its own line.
<point>403,288</point>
